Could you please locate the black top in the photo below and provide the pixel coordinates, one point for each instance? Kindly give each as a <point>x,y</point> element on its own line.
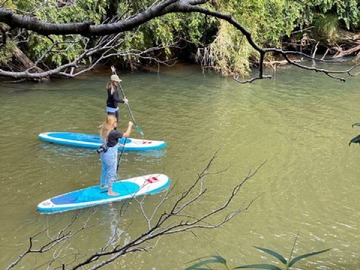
<point>113,138</point>
<point>113,99</point>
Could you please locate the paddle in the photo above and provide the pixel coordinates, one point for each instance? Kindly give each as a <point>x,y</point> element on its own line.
<point>130,112</point>
<point>121,153</point>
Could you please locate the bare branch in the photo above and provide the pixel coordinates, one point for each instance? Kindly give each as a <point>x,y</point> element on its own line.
<point>62,235</point>
<point>179,222</point>
<point>178,218</point>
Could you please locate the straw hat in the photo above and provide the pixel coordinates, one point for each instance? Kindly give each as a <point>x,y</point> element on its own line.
<point>115,78</point>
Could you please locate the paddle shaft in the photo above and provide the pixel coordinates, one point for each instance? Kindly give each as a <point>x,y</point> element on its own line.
<point>130,112</point>
<point>121,153</point>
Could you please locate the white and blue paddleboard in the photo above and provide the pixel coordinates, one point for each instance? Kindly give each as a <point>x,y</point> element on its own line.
<point>91,196</point>
<point>94,141</point>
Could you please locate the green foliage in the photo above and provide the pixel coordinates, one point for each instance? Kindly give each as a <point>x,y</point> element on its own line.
<point>287,263</point>
<point>5,54</point>
<point>25,6</point>
<point>205,261</point>
<point>173,27</point>
<point>326,28</point>
<point>58,50</point>
<point>267,21</point>
<point>229,53</point>
<point>220,46</point>
<point>83,10</point>
<point>347,11</point>
<point>9,4</point>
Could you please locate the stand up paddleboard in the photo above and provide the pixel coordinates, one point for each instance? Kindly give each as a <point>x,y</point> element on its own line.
<point>94,141</point>
<point>91,196</point>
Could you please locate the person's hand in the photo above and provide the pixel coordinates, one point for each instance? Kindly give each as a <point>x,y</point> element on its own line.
<point>113,70</point>
<point>126,101</point>
<point>131,124</point>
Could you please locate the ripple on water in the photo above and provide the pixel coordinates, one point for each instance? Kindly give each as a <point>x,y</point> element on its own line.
<point>299,123</point>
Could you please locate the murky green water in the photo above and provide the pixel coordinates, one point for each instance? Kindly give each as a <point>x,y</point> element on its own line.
<point>298,122</point>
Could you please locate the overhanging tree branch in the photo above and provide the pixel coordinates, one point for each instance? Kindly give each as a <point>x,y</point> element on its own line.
<point>157,9</point>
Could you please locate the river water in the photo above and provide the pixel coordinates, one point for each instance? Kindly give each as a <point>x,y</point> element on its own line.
<point>299,123</point>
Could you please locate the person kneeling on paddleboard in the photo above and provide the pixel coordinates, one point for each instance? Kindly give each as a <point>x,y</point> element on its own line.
<point>109,151</point>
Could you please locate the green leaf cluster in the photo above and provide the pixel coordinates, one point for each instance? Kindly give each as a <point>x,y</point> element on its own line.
<point>54,50</point>
<point>287,263</point>
<point>346,11</point>
<point>6,55</point>
<point>270,21</point>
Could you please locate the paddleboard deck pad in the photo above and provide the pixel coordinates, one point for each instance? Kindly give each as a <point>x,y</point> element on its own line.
<point>92,196</point>
<point>94,141</point>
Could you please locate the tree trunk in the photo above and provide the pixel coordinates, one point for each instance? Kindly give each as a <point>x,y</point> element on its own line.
<point>349,44</point>
<point>25,61</point>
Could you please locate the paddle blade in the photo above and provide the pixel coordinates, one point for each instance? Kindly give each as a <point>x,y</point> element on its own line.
<point>138,128</point>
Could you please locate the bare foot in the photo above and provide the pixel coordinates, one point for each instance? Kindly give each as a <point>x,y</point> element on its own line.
<point>111,193</point>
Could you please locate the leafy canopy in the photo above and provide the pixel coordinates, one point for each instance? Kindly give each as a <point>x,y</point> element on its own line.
<point>219,45</point>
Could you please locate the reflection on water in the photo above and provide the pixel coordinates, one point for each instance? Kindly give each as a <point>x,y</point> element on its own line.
<point>299,122</point>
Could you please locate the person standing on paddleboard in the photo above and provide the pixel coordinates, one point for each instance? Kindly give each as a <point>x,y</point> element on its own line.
<point>113,98</point>
<point>109,152</point>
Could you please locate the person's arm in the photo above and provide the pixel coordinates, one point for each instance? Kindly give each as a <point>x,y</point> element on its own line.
<point>118,99</point>
<point>128,130</point>
<point>113,70</point>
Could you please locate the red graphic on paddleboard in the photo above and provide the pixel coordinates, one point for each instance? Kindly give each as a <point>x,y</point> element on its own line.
<point>142,142</point>
<point>151,180</point>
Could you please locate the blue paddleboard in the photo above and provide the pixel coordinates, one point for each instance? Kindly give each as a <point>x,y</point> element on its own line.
<point>94,141</point>
<point>91,196</point>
